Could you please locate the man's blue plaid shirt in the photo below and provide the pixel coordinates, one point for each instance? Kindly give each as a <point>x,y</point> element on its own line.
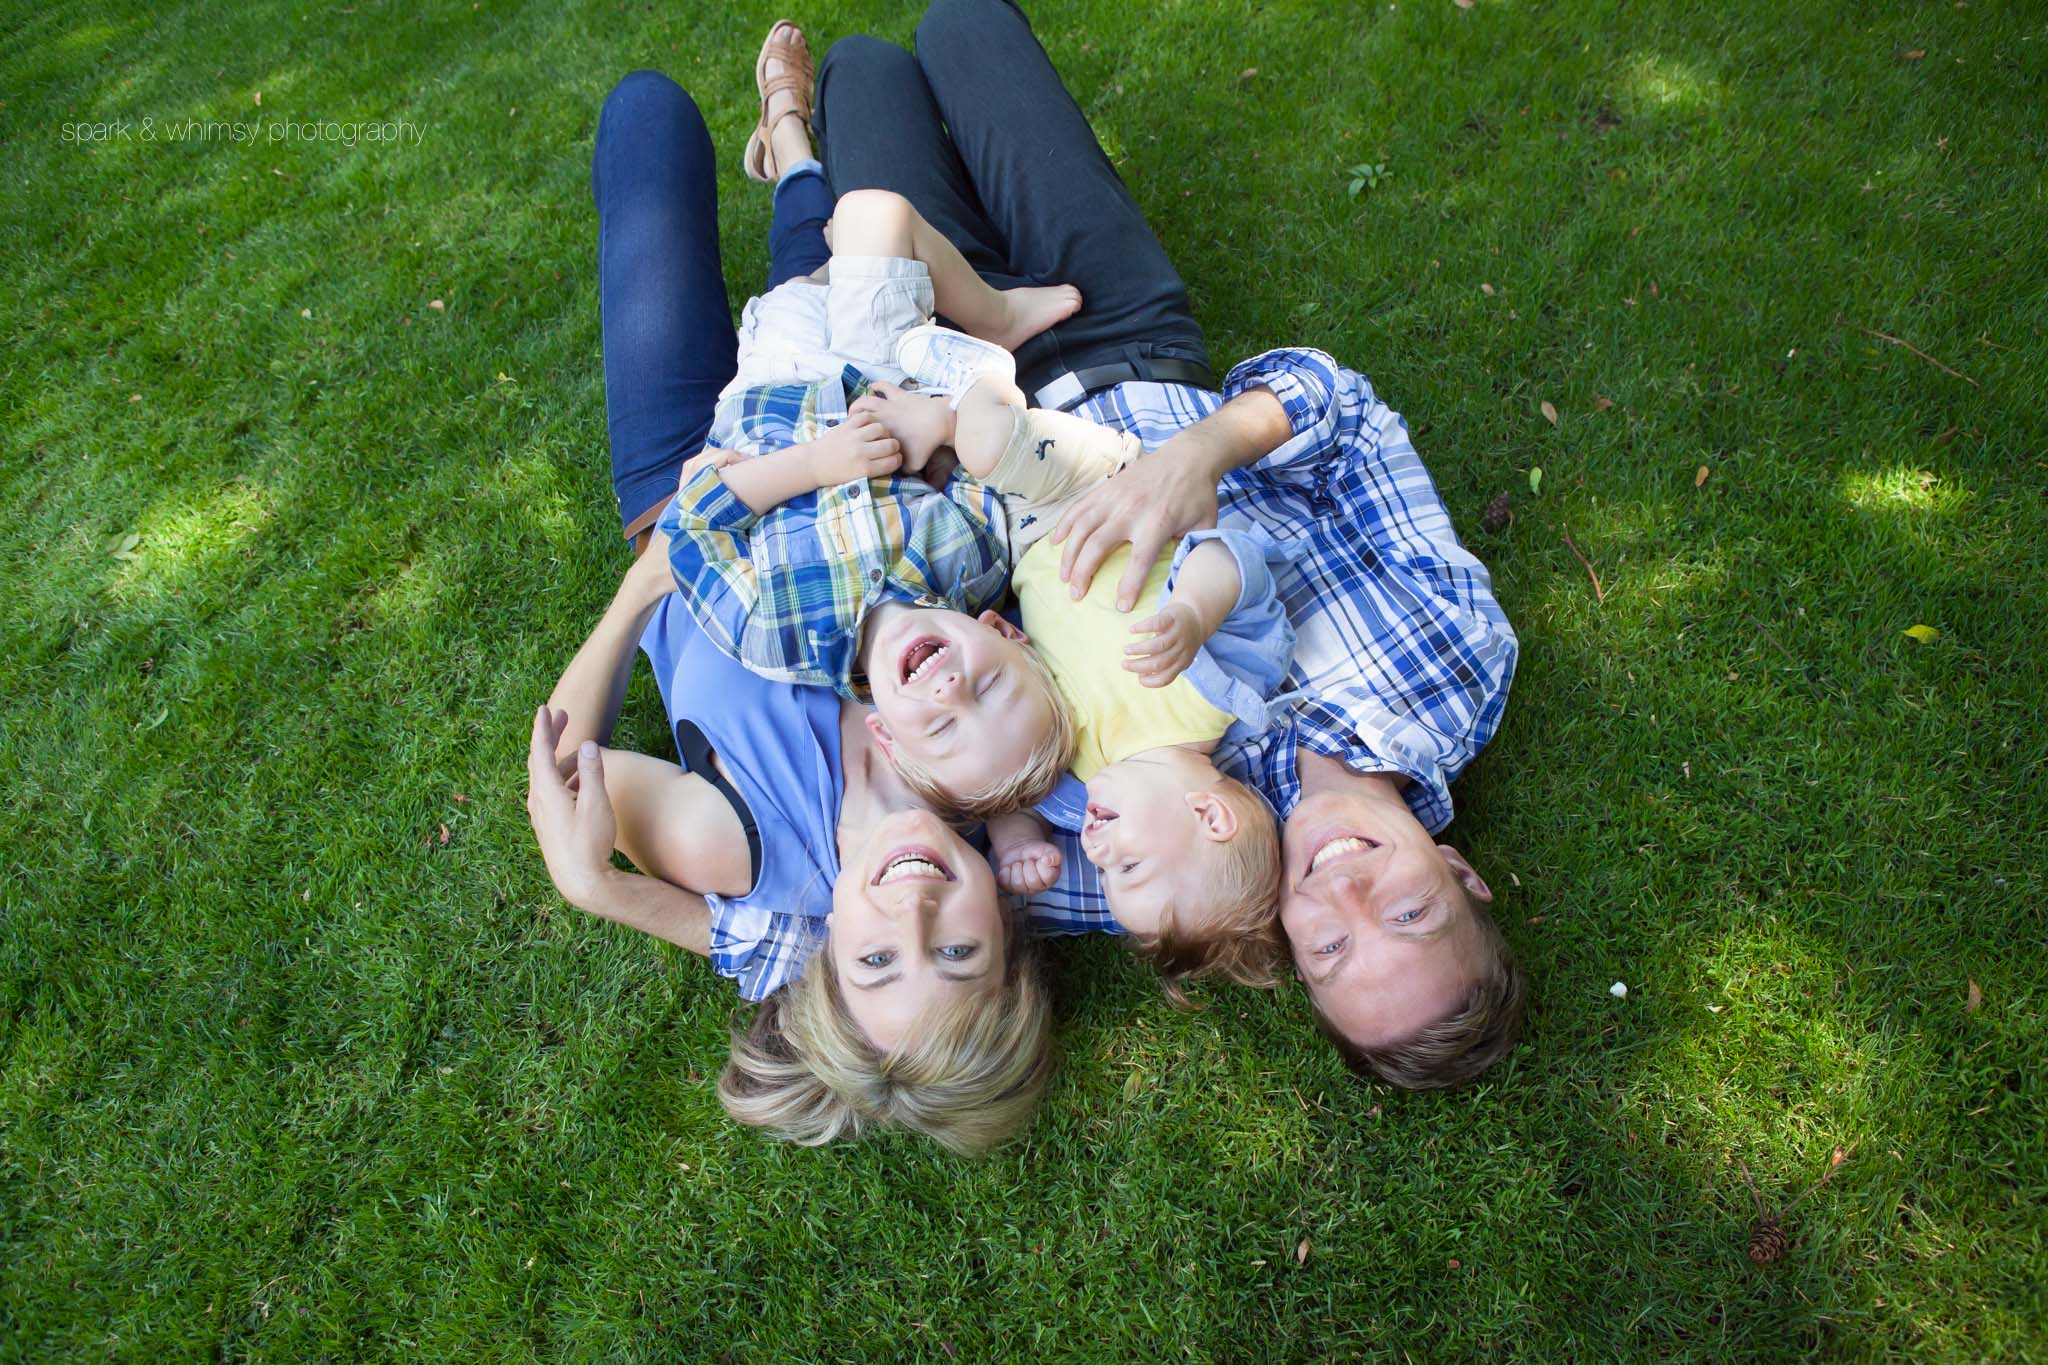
<point>1403,654</point>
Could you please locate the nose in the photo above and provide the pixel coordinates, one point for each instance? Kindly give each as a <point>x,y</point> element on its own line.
<point>949,684</point>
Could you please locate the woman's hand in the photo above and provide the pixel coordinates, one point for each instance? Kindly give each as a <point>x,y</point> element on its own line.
<point>858,448</point>
<point>572,817</point>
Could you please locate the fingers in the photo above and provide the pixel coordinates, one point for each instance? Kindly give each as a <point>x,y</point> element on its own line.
<point>1157,672</point>
<point>589,771</point>
<point>544,789</point>
<point>1092,543</point>
<point>1146,543</point>
<point>1162,641</point>
<point>1151,625</point>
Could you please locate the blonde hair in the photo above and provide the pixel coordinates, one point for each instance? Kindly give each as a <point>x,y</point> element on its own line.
<point>968,1077</point>
<point>1239,938</point>
<point>1034,779</point>
<point>1451,1051</point>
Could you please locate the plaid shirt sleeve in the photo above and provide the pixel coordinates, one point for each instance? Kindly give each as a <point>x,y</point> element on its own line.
<point>1403,651</point>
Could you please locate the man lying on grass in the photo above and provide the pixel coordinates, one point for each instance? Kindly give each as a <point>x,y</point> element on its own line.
<point>1403,657</point>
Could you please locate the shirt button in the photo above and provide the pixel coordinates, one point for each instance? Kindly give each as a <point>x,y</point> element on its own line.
<point>874,575</point>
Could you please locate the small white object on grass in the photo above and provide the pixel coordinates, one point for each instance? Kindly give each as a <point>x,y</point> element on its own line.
<point>1619,990</point>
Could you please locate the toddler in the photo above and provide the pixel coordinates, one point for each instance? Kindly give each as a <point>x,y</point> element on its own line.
<point>1189,857</point>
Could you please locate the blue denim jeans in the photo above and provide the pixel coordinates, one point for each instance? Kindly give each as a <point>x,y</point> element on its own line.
<point>669,345</point>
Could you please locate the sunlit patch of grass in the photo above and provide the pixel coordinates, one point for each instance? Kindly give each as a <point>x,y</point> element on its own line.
<point>1903,488</point>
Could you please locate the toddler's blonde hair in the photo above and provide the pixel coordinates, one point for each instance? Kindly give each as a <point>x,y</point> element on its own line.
<point>1238,939</point>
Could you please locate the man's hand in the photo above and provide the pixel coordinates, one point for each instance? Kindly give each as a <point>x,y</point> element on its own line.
<point>1169,493</point>
<point>858,448</point>
<point>1028,868</point>
<point>1177,634</point>
<point>572,817</point>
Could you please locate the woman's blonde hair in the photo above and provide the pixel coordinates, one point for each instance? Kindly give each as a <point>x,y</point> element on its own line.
<point>968,1077</point>
<point>1034,779</point>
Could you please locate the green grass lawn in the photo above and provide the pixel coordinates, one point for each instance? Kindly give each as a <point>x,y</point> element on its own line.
<point>301,1056</point>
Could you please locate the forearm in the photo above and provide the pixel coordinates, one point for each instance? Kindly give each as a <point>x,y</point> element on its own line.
<point>1242,432</point>
<point>768,481</point>
<point>1207,584</point>
<point>593,686</point>
<point>650,905</point>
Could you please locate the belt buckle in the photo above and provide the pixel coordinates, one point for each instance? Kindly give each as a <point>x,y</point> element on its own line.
<point>1062,392</point>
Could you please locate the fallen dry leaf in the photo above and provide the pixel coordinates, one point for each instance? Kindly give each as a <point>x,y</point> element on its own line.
<point>1301,1252</point>
<point>135,398</point>
<point>1549,412</point>
<point>1602,404</point>
<point>1248,73</point>
<point>1535,919</point>
<point>444,834</point>
<point>1454,1263</point>
<point>1373,1112</point>
<point>259,99</point>
<point>1464,4</point>
<point>305,312</point>
<point>1699,480</point>
<point>1975,1001</point>
<point>437,305</point>
<point>1926,635</point>
<point>461,797</point>
<point>1838,1158</point>
<point>1653,289</point>
<point>1915,55</point>
<point>1486,289</point>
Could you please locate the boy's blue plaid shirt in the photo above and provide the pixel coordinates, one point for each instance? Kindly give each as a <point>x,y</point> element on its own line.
<point>787,592</point>
<point>1403,653</point>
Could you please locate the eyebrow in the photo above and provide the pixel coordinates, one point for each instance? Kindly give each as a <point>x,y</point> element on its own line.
<point>893,977</point>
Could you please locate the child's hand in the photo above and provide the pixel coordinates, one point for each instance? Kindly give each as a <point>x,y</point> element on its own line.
<point>1176,637</point>
<point>858,448</point>
<point>709,455</point>
<point>1026,869</point>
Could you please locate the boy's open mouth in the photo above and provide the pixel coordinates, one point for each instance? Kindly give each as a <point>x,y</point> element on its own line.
<point>1098,816</point>
<point>913,864</point>
<point>920,657</point>
<point>1339,845</point>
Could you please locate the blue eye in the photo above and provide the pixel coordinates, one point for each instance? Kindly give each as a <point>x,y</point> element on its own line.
<point>1331,947</point>
<point>957,952</point>
<point>878,960</point>
<point>1409,916</point>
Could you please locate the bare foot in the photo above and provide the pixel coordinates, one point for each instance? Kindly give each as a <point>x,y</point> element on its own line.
<point>921,423</point>
<point>1033,309</point>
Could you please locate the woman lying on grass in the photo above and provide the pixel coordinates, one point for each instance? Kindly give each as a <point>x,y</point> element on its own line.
<point>895,988</point>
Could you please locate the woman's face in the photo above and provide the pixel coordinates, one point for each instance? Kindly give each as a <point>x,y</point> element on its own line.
<point>916,921</point>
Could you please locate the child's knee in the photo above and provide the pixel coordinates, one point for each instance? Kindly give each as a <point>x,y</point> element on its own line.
<point>864,216</point>
<point>986,418</point>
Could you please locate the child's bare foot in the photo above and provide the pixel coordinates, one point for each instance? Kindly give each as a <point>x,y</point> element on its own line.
<point>1032,309</point>
<point>921,423</point>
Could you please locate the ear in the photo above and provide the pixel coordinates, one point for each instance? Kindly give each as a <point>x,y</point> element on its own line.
<point>879,728</point>
<point>1217,817</point>
<point>1000,624</point>
<point>1472,881</point>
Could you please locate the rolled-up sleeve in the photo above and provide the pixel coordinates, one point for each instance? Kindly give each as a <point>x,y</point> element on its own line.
<point>1308,384</point>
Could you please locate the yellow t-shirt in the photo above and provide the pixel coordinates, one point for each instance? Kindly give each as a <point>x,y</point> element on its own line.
<point>1083,643</point>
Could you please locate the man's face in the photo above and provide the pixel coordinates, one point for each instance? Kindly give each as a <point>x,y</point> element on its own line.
<point>955,695</point>
<point>1382,920</point>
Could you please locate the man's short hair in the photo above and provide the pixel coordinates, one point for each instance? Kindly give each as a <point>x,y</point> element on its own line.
<point>1451,1051</point>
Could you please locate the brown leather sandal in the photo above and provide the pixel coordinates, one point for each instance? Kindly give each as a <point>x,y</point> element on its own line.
<point>785,41</point>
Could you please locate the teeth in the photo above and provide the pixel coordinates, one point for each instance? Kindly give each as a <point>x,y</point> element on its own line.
<point>911,865</point>
<point>928,662</point>
<point>1334,849</point>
